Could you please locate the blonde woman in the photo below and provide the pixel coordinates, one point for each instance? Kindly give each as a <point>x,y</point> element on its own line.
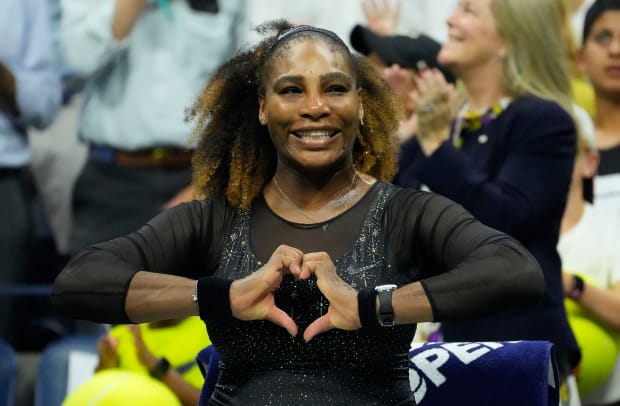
<point>508,155</point>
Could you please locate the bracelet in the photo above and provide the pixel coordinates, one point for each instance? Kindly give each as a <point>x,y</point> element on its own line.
<point>195,294</point>
<point>213,298</point>
<point>578,287</point>
<point>367,307</point>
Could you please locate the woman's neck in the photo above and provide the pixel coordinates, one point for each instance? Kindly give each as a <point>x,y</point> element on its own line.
<point>482,91</point>
<point>314,187</point>
<point>607,122</point>
<point>308,199</point>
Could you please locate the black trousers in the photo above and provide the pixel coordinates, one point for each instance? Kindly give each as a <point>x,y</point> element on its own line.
<point>16,242</point>
<point>110,201</point>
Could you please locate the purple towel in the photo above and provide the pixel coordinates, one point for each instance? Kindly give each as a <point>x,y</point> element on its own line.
<point>484,373</point>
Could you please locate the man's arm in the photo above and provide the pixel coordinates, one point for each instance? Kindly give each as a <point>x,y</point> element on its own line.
<point>8,102</point>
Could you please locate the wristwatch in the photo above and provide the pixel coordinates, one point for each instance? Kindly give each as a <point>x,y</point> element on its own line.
<point>577,289</point>
<point>160,369</point>
<point>386,312</point>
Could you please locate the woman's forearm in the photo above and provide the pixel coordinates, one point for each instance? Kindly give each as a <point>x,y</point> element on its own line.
<point>153,296</point>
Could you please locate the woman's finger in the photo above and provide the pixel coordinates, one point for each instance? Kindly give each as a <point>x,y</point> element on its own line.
<point>318,326</point>
<point>278,317</point>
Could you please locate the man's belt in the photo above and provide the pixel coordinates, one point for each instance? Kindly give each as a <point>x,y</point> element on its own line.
<point>158,157</point>
<point>6,172</point>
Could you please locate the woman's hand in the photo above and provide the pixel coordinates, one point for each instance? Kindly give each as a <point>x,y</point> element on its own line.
<point>435,102</point>
<point>401,81</point>
<point>145,356</point>
<point>251,298</point>
<point>382,18</point>
<point>108,353</point>
<point>342,312</point>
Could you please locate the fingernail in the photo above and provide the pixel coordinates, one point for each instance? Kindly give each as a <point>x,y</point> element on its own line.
<point>421,65</point>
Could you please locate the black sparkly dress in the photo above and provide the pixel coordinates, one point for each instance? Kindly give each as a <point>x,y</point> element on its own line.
<point>262,364</point>
<point>392,235</point>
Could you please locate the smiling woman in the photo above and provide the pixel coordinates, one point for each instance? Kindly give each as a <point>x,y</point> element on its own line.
<point>308,268</point>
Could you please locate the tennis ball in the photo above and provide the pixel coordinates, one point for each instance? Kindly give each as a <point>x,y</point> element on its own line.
<point>115,387</point>
<point>599,350</point>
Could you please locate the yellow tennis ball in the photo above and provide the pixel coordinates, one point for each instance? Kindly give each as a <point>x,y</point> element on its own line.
<point>599,350</point>
<point>115,387</point>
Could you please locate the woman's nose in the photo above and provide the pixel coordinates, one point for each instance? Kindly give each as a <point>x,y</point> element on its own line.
<point>314,106</point>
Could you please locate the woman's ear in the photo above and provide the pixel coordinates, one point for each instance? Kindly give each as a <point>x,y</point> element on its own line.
<point>591,165</point>
<point>262,115</point>
<point>580,60</point>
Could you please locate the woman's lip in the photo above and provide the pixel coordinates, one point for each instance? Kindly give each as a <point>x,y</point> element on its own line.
<point>613,71</point>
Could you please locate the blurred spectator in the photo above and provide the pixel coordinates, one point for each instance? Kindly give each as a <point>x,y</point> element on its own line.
<point>398,58</point>
<point>144,62</point>
<point>591,279</point>
<point>583,94</point>
<point>58,156</point>
<point>30,96</point>
<point>578,10</point>
<point>165,351</point>
<point>600,60</point>
<point>410,16</point>
<point>507,154</point>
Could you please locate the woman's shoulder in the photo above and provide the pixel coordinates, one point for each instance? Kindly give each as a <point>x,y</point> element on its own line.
<point>198,214</point>
<point>536,106</point>
<point>403,199</point>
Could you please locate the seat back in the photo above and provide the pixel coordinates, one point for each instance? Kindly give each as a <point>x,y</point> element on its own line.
<point>64,361</point>
<point>8,374</point>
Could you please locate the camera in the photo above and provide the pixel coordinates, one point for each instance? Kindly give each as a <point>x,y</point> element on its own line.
<point>207,6</point>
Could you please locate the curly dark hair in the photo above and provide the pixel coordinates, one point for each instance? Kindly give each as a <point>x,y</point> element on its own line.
<point>234,155</point>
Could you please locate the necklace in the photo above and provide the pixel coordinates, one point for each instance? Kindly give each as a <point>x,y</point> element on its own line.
<point>475,121</point>
<point>340,200</point>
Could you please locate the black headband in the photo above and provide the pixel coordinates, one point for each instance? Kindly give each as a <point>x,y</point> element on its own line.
<point>306,28</point>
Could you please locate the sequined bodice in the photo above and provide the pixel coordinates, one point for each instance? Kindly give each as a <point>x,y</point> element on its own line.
<point>260,348</point>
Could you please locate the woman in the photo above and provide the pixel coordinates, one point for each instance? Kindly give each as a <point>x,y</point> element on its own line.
<point>591,279</point>
<point>600,60</point>
<point>311,270</point>
<point>508,155</point>
<point>164,350</point>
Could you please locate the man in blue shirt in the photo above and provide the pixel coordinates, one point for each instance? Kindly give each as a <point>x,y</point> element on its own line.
<point>144,62</point>
<point>30,95</point>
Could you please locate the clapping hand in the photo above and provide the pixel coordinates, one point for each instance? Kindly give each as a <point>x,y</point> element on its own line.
<point>107,348</point>
<point>382,18</point>
<point>145,356</point>
<point>435,101</point>
<point>401,81</point>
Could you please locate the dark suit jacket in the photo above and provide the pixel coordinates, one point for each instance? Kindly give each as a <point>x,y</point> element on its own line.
<point>513,174</point>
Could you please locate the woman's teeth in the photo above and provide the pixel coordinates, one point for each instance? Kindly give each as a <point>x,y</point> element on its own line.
<point>318,134</point>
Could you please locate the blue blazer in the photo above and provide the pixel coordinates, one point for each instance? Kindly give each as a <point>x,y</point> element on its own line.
<point>513,174</point>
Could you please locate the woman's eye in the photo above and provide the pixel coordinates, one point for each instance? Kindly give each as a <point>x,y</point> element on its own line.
<point>603,38</point>
<point>337,89</point>
<point>290,90</point>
